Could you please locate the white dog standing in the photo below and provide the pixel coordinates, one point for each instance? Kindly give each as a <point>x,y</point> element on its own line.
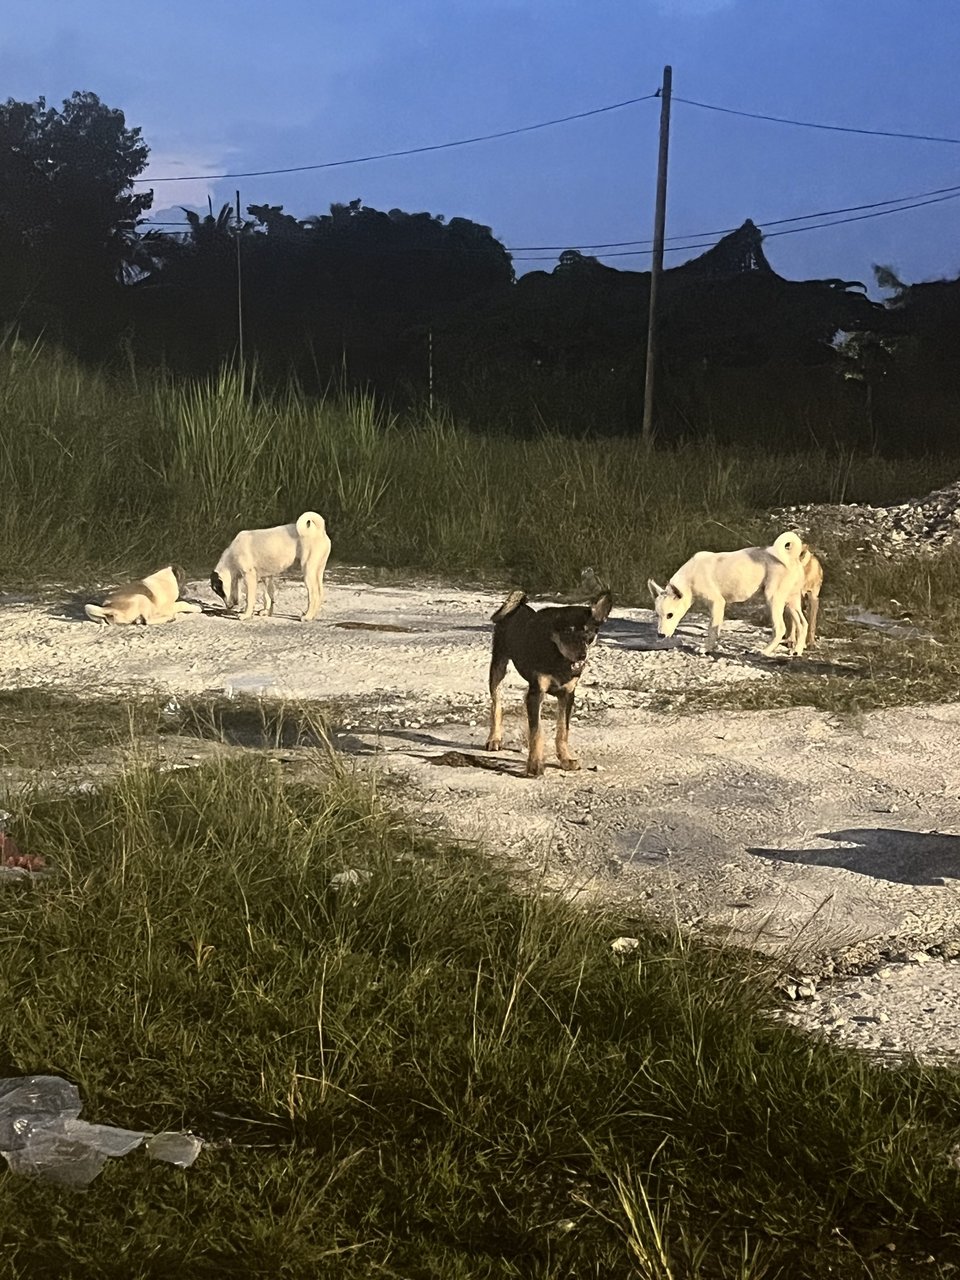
<point>155,598</point>
<point>719,578</point>
<point>265,553</point>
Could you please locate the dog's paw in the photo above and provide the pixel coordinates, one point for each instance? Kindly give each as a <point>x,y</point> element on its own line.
<point>308,617</point>
<point>493,744</point>
<point>534,768</point>
<point>570,764</point>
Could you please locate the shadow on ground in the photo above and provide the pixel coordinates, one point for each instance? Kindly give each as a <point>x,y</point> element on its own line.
<point>903,857</point>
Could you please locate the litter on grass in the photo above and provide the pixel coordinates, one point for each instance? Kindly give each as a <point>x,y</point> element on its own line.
<point>15,865</point>
<point>42,1136</point>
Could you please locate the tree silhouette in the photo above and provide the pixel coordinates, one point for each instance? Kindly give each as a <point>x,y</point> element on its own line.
<point>68,216</point>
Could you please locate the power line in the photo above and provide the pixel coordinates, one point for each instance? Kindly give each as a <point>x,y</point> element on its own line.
<point>407,151</point>
<point>812,124</point>
<point>918,199</point>
<point>788,231</point>
<point>725,231</point>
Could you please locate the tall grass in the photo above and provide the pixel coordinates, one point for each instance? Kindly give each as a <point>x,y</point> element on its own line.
<point>106,473</point>
<point>423,1075</point>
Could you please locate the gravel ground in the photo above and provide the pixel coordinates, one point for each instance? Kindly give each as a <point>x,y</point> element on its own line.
<point>829,842</point>
<point>906,1008</point>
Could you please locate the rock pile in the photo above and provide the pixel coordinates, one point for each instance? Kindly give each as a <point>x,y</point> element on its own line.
<point>919,525</point>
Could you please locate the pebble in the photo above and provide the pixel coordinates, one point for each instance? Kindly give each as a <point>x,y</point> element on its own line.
<point>907,1008</point>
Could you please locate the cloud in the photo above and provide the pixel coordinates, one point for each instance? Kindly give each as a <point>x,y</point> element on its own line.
<point>193,192</point>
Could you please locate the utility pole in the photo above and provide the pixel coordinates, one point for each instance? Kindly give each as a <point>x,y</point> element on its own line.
<point>239,287</point>
<point>430,366</point>
<point>656,264</point>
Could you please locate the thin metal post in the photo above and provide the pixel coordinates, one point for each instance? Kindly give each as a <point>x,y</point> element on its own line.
<point>239,286</point>
<point>430,366</point>
<point>656,264</point>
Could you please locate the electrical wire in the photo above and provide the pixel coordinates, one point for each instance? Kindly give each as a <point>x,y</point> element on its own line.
<point>812,124</point>
<point>406,151</point>
<point>918,201</point>
<point>788,231</point>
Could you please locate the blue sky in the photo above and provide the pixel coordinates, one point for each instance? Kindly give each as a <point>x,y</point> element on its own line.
<point>237,85</point>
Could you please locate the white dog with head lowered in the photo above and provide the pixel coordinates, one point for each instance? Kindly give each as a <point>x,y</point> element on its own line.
<point>719,578</point>
<point>265,553</point>
<point>155,598</point>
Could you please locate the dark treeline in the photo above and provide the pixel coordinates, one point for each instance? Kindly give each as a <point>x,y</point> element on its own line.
<point>414,305</point>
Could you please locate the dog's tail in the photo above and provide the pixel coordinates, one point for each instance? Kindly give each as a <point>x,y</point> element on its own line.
<point>513,602</point>
<point>788,547</point>
<point>309,523</point>
<point>98,613</point>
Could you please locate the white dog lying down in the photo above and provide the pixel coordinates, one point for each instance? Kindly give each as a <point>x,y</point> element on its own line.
<point>264,553</point>
<point>719,578</point>
<point>155,599</point>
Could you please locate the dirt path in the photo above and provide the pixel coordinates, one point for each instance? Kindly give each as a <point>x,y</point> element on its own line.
<point>792,831</point>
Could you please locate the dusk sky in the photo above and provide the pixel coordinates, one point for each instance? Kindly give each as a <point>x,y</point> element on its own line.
<point>220,86</point>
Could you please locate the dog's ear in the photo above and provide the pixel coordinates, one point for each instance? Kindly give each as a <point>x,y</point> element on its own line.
<point>216,585</point>
<point>674,590</point>
<point>653,588</point>
<point>180,573</point>
<point>601,607</point>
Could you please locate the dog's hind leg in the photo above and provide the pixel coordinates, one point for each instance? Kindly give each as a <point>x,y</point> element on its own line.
<point>564,712</point>
<point>534,702</point>
<point>799,629</point>
<point>313,574</point>
<point>498,669</point>
<point>776,604</point>
<point>269,596</point>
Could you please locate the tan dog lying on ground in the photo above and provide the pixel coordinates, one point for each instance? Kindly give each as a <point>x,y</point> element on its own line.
<point>719,578</point>
<point>154,599</point>
<point>265,553</point>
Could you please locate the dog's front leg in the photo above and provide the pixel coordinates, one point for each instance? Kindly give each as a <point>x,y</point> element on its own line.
<point>717,608</point>
<point>269,592</point>
<point>250,585</point>
<point>498,669</point>
<point>564,712</point>
<point>535,730</point>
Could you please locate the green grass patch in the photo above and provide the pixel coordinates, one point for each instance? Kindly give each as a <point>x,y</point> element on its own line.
<point>42,727</point>
<point>427,1075</point>
<point>858,673</point>
<point>103,476</point>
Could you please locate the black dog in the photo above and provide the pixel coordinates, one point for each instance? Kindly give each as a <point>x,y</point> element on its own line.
<point>549,649</point>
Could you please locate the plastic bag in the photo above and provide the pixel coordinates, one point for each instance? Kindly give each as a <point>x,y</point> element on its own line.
<point>42,1136</point>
